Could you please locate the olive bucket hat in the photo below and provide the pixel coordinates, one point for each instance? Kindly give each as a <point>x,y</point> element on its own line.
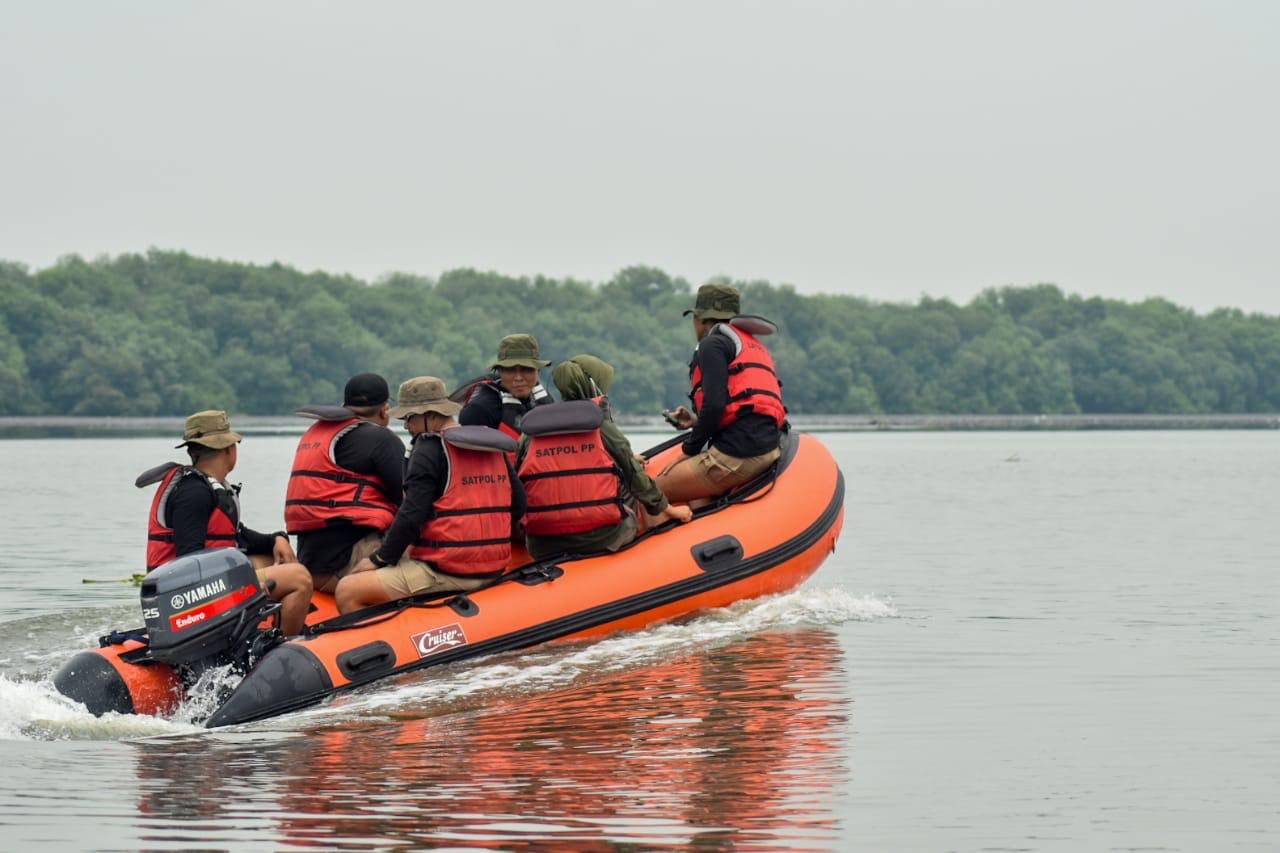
<point>211,429</point>
<point>423,394</point>
<point>716,302</point>
<point>519,351</point>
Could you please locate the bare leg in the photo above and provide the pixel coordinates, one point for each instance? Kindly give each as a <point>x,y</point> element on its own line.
<point>292,589</point>
<point>360,590</point>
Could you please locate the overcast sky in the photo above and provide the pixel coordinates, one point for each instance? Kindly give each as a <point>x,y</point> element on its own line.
<point>1124,149</point>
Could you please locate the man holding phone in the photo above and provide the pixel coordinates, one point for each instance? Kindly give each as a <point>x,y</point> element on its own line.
<point>737,414</point>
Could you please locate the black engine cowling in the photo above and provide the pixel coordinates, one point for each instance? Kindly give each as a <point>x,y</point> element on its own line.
<point>202,606</point>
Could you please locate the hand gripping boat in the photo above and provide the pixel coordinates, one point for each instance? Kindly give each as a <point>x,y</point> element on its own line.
<point>206,608</point>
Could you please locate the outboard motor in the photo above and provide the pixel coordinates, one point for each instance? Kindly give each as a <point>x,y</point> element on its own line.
<point>203,609</point>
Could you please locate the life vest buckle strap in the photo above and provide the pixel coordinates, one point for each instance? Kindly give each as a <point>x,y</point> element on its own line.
<point>331,503</point>
<point>739,367</point>
<point>461,543</point>
<point>474,510</point>
<point>336,477</point>
<point>568,472</point>
<point>572,505</point>
<point>753,392</point>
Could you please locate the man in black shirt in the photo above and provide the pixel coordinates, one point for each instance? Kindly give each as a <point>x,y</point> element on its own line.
<point>366,447</point>
<point>735,432</point>
<point>203,490</point>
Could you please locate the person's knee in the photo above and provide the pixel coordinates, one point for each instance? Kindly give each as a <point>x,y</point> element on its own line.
<point>342,595</point>
<point>297,576</point>
<point>290,578</point>
<point>352,593</point>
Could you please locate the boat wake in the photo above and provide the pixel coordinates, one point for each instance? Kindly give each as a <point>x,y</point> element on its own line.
<point>555,666</point>
<point>31,709</point>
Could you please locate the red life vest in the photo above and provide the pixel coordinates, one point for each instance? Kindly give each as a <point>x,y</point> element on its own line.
<point>161,545</point>
<point>322,493</point>
<point>572,483</point>
<point>753,382</point>
<point>469,529</point>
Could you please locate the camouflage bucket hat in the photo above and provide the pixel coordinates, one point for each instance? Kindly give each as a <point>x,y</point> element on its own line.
<point>210,429</point>
<point>716,302</point>
<point>519,351</point>
<point>424,394</point>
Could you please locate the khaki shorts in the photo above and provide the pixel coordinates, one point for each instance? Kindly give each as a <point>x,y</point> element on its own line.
<point>260,563</point>
<point>364,548</point>
<point>410,577</point>
<point>725,472</point>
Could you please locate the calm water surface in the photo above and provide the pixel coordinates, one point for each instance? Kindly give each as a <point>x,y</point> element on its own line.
<point>1025,641</point>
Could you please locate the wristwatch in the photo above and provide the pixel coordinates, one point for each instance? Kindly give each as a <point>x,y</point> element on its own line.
<point>378,561</point>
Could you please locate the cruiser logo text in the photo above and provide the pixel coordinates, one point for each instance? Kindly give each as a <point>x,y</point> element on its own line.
<point>439,639</point>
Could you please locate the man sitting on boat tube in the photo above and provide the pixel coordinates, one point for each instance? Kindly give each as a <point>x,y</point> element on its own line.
<point>737,412</point>
<point>194,508</point>
<point>513,390</point>
<point>461,503</point>
<point>346,482</point>
<point>579,472</point>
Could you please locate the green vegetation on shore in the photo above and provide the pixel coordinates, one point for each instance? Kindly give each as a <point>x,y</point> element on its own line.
<point>166,333</point>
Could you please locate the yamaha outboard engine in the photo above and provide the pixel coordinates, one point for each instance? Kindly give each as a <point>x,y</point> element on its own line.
<point>203,609</point>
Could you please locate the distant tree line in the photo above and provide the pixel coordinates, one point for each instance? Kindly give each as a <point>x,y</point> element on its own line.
<point>166,333</point>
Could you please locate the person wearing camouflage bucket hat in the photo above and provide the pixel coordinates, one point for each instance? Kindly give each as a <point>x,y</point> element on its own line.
<point>716,302</point>
<point>735,427</point>
<point>519,351</point>
<point>196,508</point>
<point>500,400</point>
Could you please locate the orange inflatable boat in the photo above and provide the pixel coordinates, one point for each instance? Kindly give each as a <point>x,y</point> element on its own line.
<point>764,538</point>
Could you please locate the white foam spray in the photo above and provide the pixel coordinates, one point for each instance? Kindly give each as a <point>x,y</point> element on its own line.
<point>32,709</point>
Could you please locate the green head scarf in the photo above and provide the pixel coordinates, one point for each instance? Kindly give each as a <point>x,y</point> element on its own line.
<point>573,378</point>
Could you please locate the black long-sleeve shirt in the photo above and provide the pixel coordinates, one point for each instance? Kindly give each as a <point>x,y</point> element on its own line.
<point>486,408</point>
<point>368,449</point>
<point>751,434</point>
<point>187,513</point>
<point>423,481</point>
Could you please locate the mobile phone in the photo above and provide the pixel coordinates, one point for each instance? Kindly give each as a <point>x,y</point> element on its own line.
<point>670,417</point>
